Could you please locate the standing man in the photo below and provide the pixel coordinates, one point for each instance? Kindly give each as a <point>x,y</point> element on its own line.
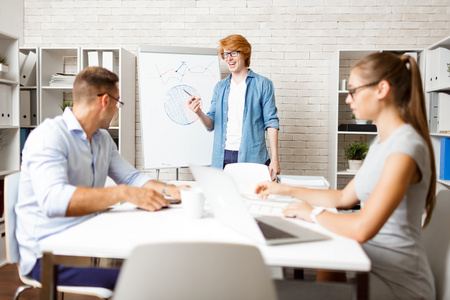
<point>242,109</point>
<point>66,161</point>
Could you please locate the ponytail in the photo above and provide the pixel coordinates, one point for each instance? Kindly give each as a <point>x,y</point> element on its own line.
<point>415,114</point>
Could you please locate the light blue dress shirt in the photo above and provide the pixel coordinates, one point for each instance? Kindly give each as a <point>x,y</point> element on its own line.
<point>58,158</point>
<point>260,113</point>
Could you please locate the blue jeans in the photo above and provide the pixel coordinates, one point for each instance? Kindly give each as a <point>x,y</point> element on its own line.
<point>70,276</point>
<point>231,157</point>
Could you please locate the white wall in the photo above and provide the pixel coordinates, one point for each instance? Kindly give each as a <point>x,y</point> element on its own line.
<point>11,18</point>
<point>292,44</point>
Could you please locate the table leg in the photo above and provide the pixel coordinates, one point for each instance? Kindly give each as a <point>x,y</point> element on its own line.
<point>49,273</point>
<point>362,286</point>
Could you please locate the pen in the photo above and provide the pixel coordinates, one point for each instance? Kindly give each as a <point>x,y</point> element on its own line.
<point>187,92</point>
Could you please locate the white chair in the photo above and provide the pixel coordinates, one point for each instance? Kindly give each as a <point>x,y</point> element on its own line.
<point>12,247</point>
<point>194,270</point>
<point>247,175</point>
<point>436,240</point>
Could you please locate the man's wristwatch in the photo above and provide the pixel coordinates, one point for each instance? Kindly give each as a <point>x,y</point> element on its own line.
<point>315,212</point>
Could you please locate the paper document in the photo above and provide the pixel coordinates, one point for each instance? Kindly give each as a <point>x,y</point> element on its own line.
<point>317,182</point>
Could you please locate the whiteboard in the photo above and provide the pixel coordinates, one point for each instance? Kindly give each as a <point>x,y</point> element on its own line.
<point>172,135</point>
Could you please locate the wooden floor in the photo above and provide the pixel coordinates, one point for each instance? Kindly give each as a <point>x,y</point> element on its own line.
<point>9,281</point>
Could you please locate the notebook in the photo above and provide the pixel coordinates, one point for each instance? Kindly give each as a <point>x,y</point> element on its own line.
<point>230,208</point>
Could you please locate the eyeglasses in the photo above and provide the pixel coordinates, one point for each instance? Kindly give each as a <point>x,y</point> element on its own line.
<point>119,103</point>
<point>231,53</point>
<point>353,90</point>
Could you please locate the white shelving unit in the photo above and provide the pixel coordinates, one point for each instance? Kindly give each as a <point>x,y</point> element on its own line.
<point>437,83</point>
<point>340,113</point>
<point>123,63</point>
<point>9,121</point>
<point>51,62</point>
<point>9,107</point>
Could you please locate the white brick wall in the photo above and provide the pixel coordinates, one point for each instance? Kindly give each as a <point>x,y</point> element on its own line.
<point>292,43</point>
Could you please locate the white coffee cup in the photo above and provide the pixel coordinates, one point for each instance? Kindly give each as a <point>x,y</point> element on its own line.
<point>193,202</point>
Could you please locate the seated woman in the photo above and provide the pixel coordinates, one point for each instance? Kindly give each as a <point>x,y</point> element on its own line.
<point>394,185</point>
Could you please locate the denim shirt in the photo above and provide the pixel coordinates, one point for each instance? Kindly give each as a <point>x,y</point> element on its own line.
<point>260,113</point>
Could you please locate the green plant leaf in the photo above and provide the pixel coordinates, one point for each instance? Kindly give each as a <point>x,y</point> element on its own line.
<point>356,150</point>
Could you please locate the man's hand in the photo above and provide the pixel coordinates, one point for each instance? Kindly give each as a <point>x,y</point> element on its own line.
<point>274,169</point>
<point>145,198</point>
<point>194,104</point>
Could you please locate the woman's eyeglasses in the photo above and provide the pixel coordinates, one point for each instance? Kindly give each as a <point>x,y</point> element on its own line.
<point>353,90</point>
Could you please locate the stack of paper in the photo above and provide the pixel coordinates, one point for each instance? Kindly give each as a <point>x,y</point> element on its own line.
<point>313,182</point>
<point>62,79</point>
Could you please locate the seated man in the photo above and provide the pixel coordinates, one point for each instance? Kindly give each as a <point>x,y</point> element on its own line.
<point>66,161</point>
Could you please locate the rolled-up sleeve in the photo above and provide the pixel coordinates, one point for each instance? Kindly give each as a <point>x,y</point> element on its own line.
<point>48,167</point>
<point>269,107</point>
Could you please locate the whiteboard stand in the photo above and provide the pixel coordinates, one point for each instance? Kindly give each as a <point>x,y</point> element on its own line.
<point>166,74</point>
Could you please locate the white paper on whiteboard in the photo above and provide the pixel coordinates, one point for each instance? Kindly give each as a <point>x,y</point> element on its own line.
<point>172,135</point>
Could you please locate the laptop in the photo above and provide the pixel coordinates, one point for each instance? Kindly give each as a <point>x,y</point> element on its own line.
<point>230,208</point>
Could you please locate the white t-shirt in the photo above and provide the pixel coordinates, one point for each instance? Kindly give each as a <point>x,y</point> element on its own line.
<point>236,104</point>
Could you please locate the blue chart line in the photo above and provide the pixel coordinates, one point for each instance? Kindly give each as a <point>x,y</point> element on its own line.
<point>183,70</point>
<point>176,105</point>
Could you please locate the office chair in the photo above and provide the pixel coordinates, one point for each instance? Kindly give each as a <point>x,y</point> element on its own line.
<point>436,240</point>
<point>247,175</point>
<point>12,247</point>
<point>194,270</point>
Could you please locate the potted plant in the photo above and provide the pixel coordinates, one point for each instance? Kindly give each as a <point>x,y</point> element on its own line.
<point>355,154</point>
<point>65,104</point>
<point>3,64</point>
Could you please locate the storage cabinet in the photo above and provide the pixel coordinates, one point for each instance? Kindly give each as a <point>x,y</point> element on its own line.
<point>57,67</point>
<point>437,88</point>
<point>9,121</point>
<point>123,63</point>
<point>9,106</point>
<point>57,70</point>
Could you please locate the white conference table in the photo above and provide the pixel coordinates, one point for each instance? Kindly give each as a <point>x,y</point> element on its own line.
<point>108,238</point>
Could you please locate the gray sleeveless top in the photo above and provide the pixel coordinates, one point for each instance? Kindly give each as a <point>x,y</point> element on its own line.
<point>400,269</point>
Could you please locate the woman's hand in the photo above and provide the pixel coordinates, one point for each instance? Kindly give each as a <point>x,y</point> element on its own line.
<point>264,189</point>
<point>300,210</point>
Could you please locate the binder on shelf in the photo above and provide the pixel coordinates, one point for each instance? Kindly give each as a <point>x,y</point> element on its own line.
<point>93,60</point>
<point>442,56</point>
<point>33,108</point>
<point>22,58</point>
<point>108,60</point>
<point>434,112</point>
<point>5,105</point>
<point>444,166</point>
<point>443,124</point>
<point>430,81</point>
<point>28,73</point>
<point>25,108</point>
